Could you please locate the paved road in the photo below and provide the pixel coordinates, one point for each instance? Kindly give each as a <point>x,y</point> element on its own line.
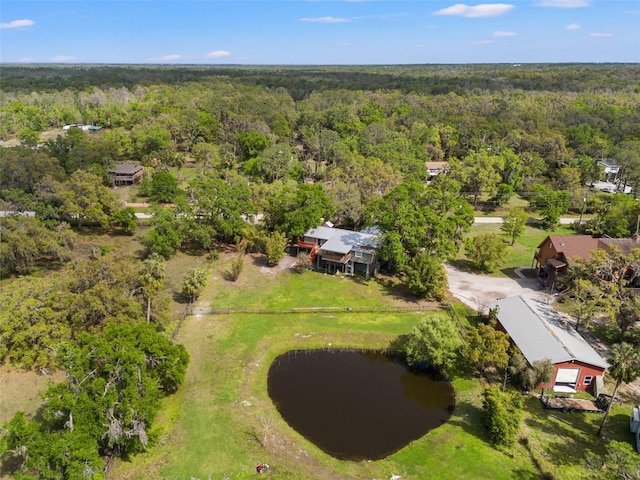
<point>563,221</point>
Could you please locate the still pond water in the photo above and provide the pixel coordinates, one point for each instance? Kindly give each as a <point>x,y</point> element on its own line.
<point>356,404</point>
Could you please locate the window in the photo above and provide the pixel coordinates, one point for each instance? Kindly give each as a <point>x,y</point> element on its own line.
<point>587,380</point>
<point>358,253</point>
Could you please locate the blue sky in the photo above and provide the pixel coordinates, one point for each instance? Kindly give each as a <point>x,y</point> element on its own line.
<point>299,32</point>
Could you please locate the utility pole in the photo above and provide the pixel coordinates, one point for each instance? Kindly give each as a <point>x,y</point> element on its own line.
<point>584,204</point>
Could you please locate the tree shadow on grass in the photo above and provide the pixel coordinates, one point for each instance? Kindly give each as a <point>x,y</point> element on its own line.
<point>180,297</point>
<point>569,435</point>
<point>465,266</point>
<point>10,462</point>
<point>258,259</point>
<point>524,474</point>
<point>469,418</point>
<point>396,289</point>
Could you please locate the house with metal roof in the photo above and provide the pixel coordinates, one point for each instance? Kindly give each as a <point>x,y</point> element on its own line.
<point>541,332</point>
<point>126,174</point>
<point>436,168</point>
<point>336,250</point>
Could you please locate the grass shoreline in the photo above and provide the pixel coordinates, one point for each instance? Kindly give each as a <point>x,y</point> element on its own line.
<point>222,422</point>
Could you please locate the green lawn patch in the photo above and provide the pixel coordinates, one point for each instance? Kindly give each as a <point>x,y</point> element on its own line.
<point>222,423</point>
<point>521,253</point>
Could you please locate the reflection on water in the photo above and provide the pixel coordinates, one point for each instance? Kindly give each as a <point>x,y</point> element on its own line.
<point>357,405</point>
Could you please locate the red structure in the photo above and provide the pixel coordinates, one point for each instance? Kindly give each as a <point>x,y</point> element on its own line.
<point>542,333</point>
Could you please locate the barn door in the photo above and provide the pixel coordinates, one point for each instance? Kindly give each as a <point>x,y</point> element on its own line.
<point>566,380</point>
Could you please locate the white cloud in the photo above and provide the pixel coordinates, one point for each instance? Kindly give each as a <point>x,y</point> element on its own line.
<point>420,45</point>
<point>18,24</point>
<point>218,54</point>
<point>503,34</point>
<point>601,35</point>
<point>572,26</point>
<point>175,56</point>
<point>324,20</point>
<point>26,60</point>
<point>63,58</point>
<point>482,10</point>
<point>564,3</point>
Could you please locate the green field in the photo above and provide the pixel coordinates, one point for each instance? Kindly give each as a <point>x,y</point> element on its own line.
<point>222,422</point>
<point>518,255</point>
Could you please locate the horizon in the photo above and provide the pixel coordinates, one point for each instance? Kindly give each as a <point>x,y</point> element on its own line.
<point>300,65</point>
<point>315,33</point>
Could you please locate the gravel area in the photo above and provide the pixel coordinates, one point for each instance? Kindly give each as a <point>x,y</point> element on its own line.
<point>477,291</point>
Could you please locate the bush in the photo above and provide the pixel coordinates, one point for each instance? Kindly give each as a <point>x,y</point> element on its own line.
<point>303,262</point>
<point>274,248</point>
<point>427,277</point>
<point>486,250</point>
<point>503,414</point>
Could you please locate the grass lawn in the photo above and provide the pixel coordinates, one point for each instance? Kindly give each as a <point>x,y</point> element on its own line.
<point>521,253</point>
<point>222,423</point>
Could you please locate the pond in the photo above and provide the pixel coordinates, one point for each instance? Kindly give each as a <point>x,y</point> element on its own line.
<point>357,404</point>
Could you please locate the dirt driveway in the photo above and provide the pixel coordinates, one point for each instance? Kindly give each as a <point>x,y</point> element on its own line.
<point>477,291</point>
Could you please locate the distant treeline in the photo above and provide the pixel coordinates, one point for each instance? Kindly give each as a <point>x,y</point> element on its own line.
<point>300,81</point>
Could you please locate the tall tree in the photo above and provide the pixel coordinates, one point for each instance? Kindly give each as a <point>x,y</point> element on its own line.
<point>413,217</point>
<point>219,205</point>
<point>298,207</point>
<point>108,403</point>
<point>486,250</point>
<point>514,224</point>
<point>164,188</point>
<point>433,342</point>
<point>194,281</point>
<point>427,277</point>
<point>479,172</point>
<point>151,280</point>
<point>25,241</point>
<point>624,367</point>
<point>503,414</point>
<point>586,300</point>
<point>86,200</point>
<point>166,234</point>
<point>486,347</point>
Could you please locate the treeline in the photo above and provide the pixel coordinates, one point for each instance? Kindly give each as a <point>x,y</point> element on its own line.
<point>354,156</point>
<point>301,81</point>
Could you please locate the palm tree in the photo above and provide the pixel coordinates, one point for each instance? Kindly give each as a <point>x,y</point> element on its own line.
<point>624,367</point>
<point>151,279</point>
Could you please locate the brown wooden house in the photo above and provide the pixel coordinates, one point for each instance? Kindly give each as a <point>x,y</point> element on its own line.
<point>556,253</point>
<point>126,174</point>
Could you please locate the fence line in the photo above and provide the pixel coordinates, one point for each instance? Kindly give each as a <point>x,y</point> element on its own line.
<point>187,310</point>
<point>279,311</point>
<point>179,324</point>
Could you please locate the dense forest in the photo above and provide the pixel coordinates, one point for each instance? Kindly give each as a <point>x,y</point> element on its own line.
<point>291,145</point>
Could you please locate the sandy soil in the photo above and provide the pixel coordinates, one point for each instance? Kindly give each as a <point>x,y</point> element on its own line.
<point>477,291</point>
<point>20,390</point>
<point>44,136</point>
